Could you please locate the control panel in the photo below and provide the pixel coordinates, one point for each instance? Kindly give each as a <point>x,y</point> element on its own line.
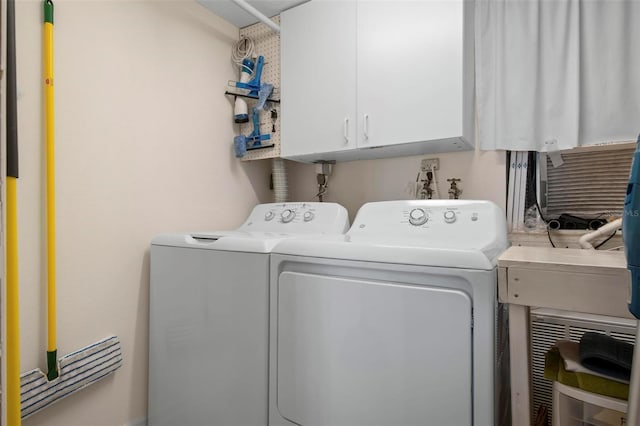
<point>428,216</point>
<point>312,217</point>
<point>446,223</point>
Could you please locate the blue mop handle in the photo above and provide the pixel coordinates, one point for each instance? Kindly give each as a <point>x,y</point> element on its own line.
<point>631,236</point>
<point>631,231</point>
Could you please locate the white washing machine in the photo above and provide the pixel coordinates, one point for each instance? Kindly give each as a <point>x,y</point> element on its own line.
<point>391,324</point>
<point>209,305</point>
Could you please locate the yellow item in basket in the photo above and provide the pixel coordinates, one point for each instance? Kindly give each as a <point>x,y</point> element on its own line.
<point>554,370</point>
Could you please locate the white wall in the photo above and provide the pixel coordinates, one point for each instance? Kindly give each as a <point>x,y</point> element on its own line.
<point>144,136</point>
<point>355,183</point>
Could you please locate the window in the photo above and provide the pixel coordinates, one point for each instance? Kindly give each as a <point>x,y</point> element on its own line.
<point>587,182</point>
<point>581,188</point>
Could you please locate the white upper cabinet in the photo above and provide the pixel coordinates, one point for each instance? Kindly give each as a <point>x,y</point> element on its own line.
<point>409,70</point>
<point>318,78</point>
<point>396,76</point>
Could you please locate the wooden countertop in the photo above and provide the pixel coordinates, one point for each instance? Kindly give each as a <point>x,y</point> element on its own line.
<point>563,259</point>
<point>589,281</point>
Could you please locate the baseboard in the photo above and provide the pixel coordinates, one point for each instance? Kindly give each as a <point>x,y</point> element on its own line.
<point>137,422</point>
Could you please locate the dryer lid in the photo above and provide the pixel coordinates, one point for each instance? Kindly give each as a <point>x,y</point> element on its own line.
<point>447,233</point>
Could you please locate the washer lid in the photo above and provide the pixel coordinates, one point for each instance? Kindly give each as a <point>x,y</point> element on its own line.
<point>252,242</point>
<point>267,225</point>
<point>447,233</point>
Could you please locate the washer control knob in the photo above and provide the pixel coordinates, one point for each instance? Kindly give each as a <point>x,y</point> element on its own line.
<point>288,215</point>
<point>308,216</point>
<point>269,215</point>
<point>450,216</point>
<point>418,217</point>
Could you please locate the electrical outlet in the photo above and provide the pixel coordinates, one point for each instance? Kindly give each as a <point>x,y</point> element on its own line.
<point>430,164</point>
<point>324,167</point>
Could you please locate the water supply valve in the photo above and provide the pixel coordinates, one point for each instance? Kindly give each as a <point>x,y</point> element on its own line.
<point>454,190</point>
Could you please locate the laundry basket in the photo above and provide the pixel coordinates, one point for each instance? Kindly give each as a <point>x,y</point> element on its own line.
<point>576,407</point>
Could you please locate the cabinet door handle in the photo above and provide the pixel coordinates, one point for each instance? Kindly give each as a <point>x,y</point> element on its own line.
<point>346,130</point>
<point>366,126</point>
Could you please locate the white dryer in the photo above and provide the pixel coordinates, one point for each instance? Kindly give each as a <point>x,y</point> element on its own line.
<point>209,304</point>
<point>391,324</point>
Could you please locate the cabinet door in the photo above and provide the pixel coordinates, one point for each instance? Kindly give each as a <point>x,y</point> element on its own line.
<point>410,76</point>
<point>318,54</point>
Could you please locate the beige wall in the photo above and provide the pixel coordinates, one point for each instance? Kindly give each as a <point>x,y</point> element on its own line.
<point>144,146</point>
<point>355,183</point>
<point>144,138</point>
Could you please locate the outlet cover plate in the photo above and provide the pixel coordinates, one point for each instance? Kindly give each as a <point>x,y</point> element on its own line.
<point>430,164</point>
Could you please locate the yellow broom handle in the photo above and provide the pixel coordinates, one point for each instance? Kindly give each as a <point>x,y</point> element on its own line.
<point>50,178</point>
<point>13,408</point>
<point>13,317</point>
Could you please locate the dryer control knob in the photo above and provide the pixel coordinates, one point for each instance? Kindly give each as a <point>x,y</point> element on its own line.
<point>288,215</point>
<point>308,216</point>
<point>450,216</point>
<point>269,215</point>
<point>418,217</point>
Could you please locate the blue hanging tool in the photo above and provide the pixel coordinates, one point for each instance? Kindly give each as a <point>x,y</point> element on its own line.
<point>256,88</point>
<point>240,108</point>
<point>631,231</point>
<point>262,91</point>
<point>243,143</point>
<point>253,85</point>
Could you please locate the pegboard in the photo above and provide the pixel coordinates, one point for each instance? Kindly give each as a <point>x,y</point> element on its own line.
<point>267,44</point>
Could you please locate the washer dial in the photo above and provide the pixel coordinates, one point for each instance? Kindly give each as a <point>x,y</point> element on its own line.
<point>308,216</point>
<point>450,216</point>
<point>287,215</point>
<point>269,215</point>
<point>418,217</point>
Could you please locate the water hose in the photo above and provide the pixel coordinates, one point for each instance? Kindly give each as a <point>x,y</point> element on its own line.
<point>52,365</point>
<point>12,295</point>
<point>280,186</point>
<point>603,231</point>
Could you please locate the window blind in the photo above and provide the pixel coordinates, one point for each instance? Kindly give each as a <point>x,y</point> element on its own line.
<point>591,181</point>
